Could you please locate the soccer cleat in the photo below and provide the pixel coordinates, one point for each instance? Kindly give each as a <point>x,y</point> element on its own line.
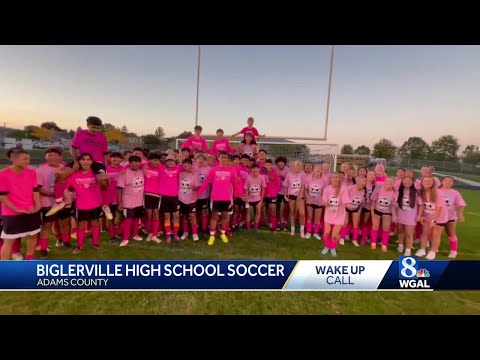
<point>149,237</point>
<point>355,243</point>
<point>17,256</point>
<point>421,252</point>
<point>317,236</point>
<point>431,255</point>
<point>302,234</point>
<point>59,243</point>
<point>341,242</point>
<point>384,248</point>
<point>225,238</point>
<point>184,236</point>
<point>325,251</point>
<point>373,246</point>
<point>124,243</point>
<point>452,254</point>
<point>292,231</point>
<point>155,239</point>
<point>55,208</point>
<point>77,251</point>
<point>137,238</point>
<point>211,240</point>
<point>195,237</point>
<point>333,252</point>
<point>107,212</point>
<point>307,236</point>
<point>408,252</point>
<point>400,248</point>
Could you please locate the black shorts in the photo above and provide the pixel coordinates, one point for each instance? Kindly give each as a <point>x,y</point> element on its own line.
<point>87,215</point>
<point>47,219</point>
<point>351,211</point>
<point>202,204</point>
<point>254,203</point>
<point>135,213</point>
<point>169,204</point>
<point>269,200</point>
<point>238,201</point>
<point>280,198</point>
<point>292,197</point>
<point>365,210</point>
<point>18,226</point>
<point>66,213</point>
<point>152,202</point>
<point>98,168</point>
<point>315,206</point>
<point>221,206</point>
<point>450,221</point>
<point>442,224</point>
<point>187,209</point>
<point>376,212</point>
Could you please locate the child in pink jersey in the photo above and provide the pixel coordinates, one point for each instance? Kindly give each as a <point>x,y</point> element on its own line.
<point>384,211</point>
<point>151,172</point>
<point>46,185</point>
<point>114,170</point>
<point>169,205</point>
<point>239,194</point>
<point>88,201</point>
<point>273,186</point>
<point>409,203</point>
<point>21,205</point>
<point>255,188</point>
<point>362,172</point>
<point>261,158</point>
<point>249,129</point>
<point>282,212</point>
<point>196,141</point>
<point>187,197</point>
<point>130,192</point>
<point>223,180</point>
<point>455,206</point>
<point>294,183</point>
<point>221,144</point>
<point>335,198</point>
<point>366,218</point>
<point>433,215</point>
<point>314,186</point>
<point>356,194</point>
<point>248,146</point>
<point>203,200</point>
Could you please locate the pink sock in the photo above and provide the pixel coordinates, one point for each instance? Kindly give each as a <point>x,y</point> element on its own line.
<point>194,229</point>
<point>316,228</point>
<point>308,227</point>
<point>43,244</point>
<point>120,227</point>
<point>256,225</point>
<point>17,246</point>
<point>80,237</point>
<point>111,229</point>
<point>373,236</point>
<point>136,224</point>
<point>204,222</point>
<point>95,235</point>
<point>247,223</point>
<point>30,257</point>
<point>127,226</point>
<point>385,238</point>
<point>223,230</point>
<point>365,232</point>
<point>392,227</point>
<point>356,233</point>
<point>176,227</point>
<point>343,232</point>
<point>453,243</point>
<point>327,241</point>
<point>418,231</point>
<point>66,238</point>
<point>104,222</point>
<point>349,229</point>
<point>155,227</point>
<point>212,232</point>
<point>168,230</point>
<point>185,225</point>
<point>333,243</point>
<point>148,225</point>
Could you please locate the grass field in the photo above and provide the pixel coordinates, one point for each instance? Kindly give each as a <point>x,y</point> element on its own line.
<point>264,246</point>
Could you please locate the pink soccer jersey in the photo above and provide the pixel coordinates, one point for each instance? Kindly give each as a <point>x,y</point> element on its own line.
<point>221,145</point>
<point>113,173</point>
<point>239,189</point>
<point>293,182</point>
<point>430,207</point>
<point>380,180</point>
<point>314,190</point>
<point>335,205</point>
<point>151,175</point>
<point>223,181</point>
<point>188,180</point>
<point>18,187</point>
<point>406,215</point>
<point>252,129</point>
<point>133,184</point>
<point>253,187</point>
<point>202,174</point>
<point>46,180</point>
<point>96,145</point>
<point>273,185</point>
<point>453,201</point>
<point>282,174</point>
<point>193,143</point>
<point>357,198</point>
<point>384,200</point>
<point>168,180</point>
<point>87,190</point>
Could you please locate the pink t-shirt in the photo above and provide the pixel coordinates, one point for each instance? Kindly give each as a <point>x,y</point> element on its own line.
<point>430,207</point>
<point>133,185</point>
<point>453,201</point>
<point>396,184</point>
<point>252,129</point>
<point>406,215</point>
<point>254,186</point>
<point>380,179</point>
<point>335,205</point>
<point>46,179</point>
<point>347,182</point>
<point>384,200</point>
<point>87,190</point>
<point>202,174</point>
<point>293,183</point>
<point>193,143</point>
<point>221,145</point>
<point>242,175</point>
<point>18,188</point>
<point>185,192</point>
<point>223,180</point>
<point>357,198</point>
<point>273,185</point>
<point>314,190</point>
<point>113,173</point>
<point>282,174</point>
<point>169,180</point>
<point>248,150</point>
<point>151,179</point>
<point>96,145</point>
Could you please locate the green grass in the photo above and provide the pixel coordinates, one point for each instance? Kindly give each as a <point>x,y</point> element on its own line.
<point>264,246</point>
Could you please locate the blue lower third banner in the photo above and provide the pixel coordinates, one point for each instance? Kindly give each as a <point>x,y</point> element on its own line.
<point>408,273</point>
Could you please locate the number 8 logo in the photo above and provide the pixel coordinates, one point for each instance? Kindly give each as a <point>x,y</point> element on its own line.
<point>408,264</point>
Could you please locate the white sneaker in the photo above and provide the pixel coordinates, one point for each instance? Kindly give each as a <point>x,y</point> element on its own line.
<point>431,255</point>
<point>341,242</point>
<point>137,238</point>
<point>317,236</point>
<point>17,256</point>
<point>155,239</point>
<point>107,212</point>
<point>184,236</point>
<point>59,243</point>
<point>452,254</point>
<point>302,234</point>
<point>408,252</point>
<point>355,243</point>
<point>292,231</point>
<point>123,243</point>
<point>307,235</point>
<point>195,237</point>
<point>149,237</point>
<point>421,252</point>
<point>400,248</point>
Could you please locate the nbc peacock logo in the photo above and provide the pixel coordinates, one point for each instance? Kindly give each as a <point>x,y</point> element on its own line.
<point>423,273</point>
